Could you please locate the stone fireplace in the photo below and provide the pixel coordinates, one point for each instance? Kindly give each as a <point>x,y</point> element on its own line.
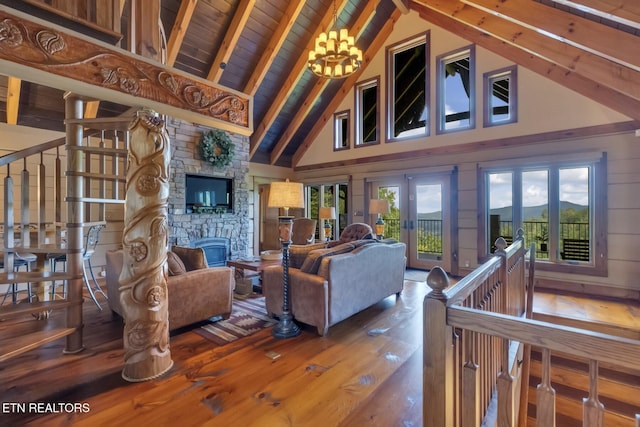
<point>189,229</point>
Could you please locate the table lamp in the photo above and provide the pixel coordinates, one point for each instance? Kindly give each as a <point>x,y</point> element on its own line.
<point>326,214</point>
<point>285,195</point>
<point>379,207</point>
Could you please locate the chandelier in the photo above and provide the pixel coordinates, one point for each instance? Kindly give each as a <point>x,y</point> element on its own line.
<point>335,55</point>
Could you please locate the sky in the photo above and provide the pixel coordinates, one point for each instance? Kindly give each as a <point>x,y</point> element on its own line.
<point>573,188</point>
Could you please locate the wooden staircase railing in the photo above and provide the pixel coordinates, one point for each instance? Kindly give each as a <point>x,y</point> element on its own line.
<point>473,336</point>
<point>96,151</point>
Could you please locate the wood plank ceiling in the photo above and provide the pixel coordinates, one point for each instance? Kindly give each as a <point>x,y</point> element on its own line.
<point>260,47</point>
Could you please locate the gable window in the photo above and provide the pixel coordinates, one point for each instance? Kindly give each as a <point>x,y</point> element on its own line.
<point>500,97</point>
<point>341,130</point>
<point>555,204</point>
<point>367,107</point>
<point>408,89</point>
<point>455,90</point>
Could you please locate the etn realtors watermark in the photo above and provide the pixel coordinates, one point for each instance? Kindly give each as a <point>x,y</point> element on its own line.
<point>44,408</point>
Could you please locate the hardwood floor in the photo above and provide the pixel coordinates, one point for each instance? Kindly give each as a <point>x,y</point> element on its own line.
<point>366,371</point>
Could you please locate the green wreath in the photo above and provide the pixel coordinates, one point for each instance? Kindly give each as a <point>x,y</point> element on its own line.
<point>216,148</point>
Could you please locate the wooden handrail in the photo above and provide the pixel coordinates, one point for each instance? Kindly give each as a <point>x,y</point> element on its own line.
<point>461,290</point>
<point>474,333</point>
<point>607,348</point>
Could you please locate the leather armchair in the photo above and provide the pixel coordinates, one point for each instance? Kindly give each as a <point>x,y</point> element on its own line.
<point>195,292</point>
<point>303,231</point>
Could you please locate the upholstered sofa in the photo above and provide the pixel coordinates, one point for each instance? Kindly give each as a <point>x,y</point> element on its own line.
<point>334,283</point>
<point>196,292</point>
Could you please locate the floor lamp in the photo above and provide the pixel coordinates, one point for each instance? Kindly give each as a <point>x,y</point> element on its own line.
<point>379,206</point>
<point>326,214</point>
<point>285,195</point>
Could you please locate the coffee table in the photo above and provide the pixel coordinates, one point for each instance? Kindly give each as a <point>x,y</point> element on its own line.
<point>258,265</point>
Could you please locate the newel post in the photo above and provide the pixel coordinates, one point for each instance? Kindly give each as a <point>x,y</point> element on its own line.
<point>438,373</point>
<point>143,280</point>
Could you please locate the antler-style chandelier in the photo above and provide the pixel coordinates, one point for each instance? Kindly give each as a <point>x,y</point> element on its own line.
<point>335,55</point>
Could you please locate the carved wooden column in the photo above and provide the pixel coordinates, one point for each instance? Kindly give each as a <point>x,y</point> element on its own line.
<point>143,281</point>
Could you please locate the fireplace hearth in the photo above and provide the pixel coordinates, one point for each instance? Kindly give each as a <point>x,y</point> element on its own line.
<point>216,249</point>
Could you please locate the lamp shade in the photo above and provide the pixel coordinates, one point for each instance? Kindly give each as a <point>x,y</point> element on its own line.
<point>286,194</point>
<point>378,206</point>
<point>327,213</point>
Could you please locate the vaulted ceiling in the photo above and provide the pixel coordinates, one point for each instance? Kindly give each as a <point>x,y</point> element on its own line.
<point>259,47</point>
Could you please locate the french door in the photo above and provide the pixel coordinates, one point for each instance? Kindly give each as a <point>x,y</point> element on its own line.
<point>421,212</point>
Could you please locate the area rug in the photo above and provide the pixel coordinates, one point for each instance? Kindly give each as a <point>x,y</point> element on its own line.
<point>248,316</point>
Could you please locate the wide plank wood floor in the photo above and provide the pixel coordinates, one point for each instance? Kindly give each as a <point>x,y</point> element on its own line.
<point>366,371</point>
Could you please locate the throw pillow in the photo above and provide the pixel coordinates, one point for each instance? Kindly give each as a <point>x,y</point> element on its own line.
<point>175,264</point>
<point>314,258</point>
<point>192,258</point>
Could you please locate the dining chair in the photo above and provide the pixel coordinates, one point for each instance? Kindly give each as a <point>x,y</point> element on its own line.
<point>19,260</point>
<point>91,241</point>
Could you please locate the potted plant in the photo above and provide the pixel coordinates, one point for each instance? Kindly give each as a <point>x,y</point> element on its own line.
<point>543,237</point>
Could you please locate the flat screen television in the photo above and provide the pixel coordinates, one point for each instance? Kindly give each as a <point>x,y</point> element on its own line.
<point>208,194</point>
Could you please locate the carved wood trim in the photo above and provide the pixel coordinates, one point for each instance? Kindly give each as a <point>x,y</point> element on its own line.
<point>143,280</point>
<point>122,77</point>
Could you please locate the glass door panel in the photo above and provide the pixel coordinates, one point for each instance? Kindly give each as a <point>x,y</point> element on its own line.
<point>419,212</point>
<point>391,193</point>
<point>428,224</point>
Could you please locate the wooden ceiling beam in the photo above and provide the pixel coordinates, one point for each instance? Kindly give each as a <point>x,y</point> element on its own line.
<point>402,5</point>
<point>604,95</point>
<point>13,99</point>
<point>230,39</point>
<point>573,59</point>
<point>622,11</point>
<point>145,28</point>
<point>91,109</point>
<point>345,89</point>
<point>583,33</point>
<point>356,31</point>
<point>180,25</point>
<point>290,82</point>
<point>271,51</point>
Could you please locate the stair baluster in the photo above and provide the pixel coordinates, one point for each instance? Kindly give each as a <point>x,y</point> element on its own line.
<point>593,409</point>
<point>546,395</point>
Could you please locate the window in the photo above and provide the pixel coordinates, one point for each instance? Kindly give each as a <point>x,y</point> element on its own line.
<point>556,206</point>
<point>455,91</point>
<point>341,130</point>
<point>500,97</point>
<point>408,89</point>
<point>367,102</point>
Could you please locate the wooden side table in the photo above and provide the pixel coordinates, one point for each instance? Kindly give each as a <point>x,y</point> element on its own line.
<point>258,265</point>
